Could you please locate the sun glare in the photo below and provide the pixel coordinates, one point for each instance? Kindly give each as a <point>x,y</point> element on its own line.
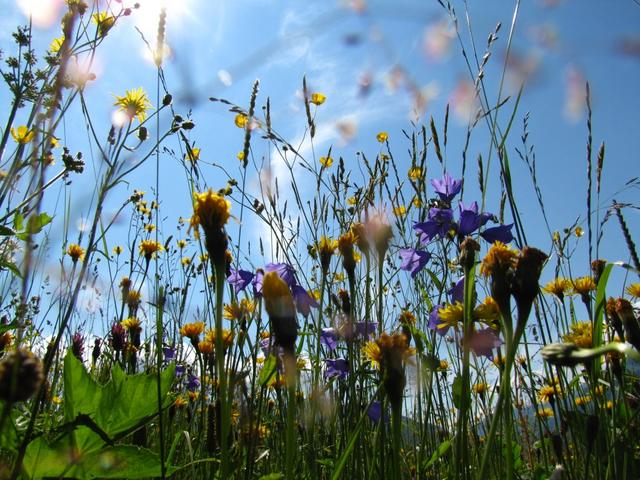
<point>43,13</point>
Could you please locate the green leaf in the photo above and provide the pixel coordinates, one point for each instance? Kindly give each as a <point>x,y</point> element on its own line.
<point>11,266</point>
<point>438,453</point>
<point>9,326</point>
<point>37,222</point>
<point>272,476</point>
<point>9,437</point>
<point>456,392</point>
<point>18,222</point>
<point>268,370</point>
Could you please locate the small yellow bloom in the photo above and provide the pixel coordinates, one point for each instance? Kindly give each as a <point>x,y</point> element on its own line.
<point>584,285</point>
<point>22,134</point>
<point>318,98</point>
<point>487,310</point>
<point>117,249</point>
<point>352,201</point>
<point>278,300</point>
<point>407,318</point>
<point>400,210</point>
<point>181,244</point>
<point>210,211</point>
<point>499,257</point>
<point>206,347</point>
<point>388,351</point>
<point>240,156</point>
<point>581,335</point>
<point>634,290</point>
<point>241,120</point>
<point>76,252</point>
<point>56,44</point>
<point>326,162</point>
<point>193,154</point>
<point>131,324</point>
<point>580,401</point>
<point>149,248</point>
<point>227,337</point>
<point>133,298</point>
<point>104,21</point>
<point>579,232</point>
<point>548,393</point>
<point>186,261</point>
<point>134,104</point>
<point>417,202</point>
<point>451,315</point>
<point>192,330</point>
<point>149,227</point>
<point>415,173</point>
<point>480,388</point>
<point>443,366</point>
<point>382,137</point>
<point>238,310</point>
<point>558,287</point>
<point>545,413</point>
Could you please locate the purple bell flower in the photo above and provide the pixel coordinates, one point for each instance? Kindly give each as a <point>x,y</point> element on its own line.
<point>240,279</point>
<point>374,412</point>
<point>434,321</point>
<point>471,220</point>
<point>193,383</point>
<point>501,233</point>
<point>483,342</point>
<point>456,292</point>
<point>438,224</point>
<point>413,260</point>
<point>447,187</point>
<point>303,300</point>
<point>365,329</point>
<point>329,338</point>
<point>336,367</point>
<point>285,271</point>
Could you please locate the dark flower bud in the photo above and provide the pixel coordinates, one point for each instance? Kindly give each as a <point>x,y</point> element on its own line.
<point>188,125</point>
<point>117,337</point>
<point>77,345</point>
<point>613,318</point>
<point>525,286</point>
<point>468,249</point>
<point>143,134</point>
<point>597,267</point>
<point>630,322</point>
<point>95,354</point>
<point>166,100</point>
<point>561,354</point>
<point>21,375</point>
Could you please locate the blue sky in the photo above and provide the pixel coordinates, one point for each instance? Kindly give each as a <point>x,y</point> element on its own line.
<point>370,61</point>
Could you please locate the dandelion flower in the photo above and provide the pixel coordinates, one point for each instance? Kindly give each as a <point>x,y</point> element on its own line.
<point>579,232</point>
<point>131,324</point>
<point>581,335</point>
<point>382,137</point>
<point>583,285</point>
<point>56,44</point>
<point>76,252</point>
<point>238,310</point>
<point>451,315</point>
<point>192,330</point>
<point>241,120</point>
<point>558,287</point>
<point>318,98</point>
<point>415,173</point>
<point>326,248</point>
<point>210,211</point>
<point>149,248</point>
<point>326,162</point>
<point>634,290</point>
<point>488,310</point>
<point>548,393</point>
<point>104,21</point>
<point>581,401</point>
<point>500,257</point>
<point>117,249</point>
<point>22,134</point>
<point>134,103</point>
<point>544,413</point>
<point>400,211</point>
<point>480,388</point>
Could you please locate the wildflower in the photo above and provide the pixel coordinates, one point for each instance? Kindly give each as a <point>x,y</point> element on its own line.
<point>238,311</point>
<point>193,154</point>
<point>480,388</point>
<point>318,98</point>
<point>374,412</point>
<point>22,134</point>
<point>443,366</point>
<point>501,233</point>
<point>227,337</point>
<point>470,220</point>
<point>193,383</point>
<point>583,286</point>
<point>400,210</point>
<point>240,156</point>
<point>581,401</point>
<point>624,309</point>
<point>149,248</point>
<point>497,264</point>
<point>185,261</point>
<point>326,162</point>
<point>415,173</point>
<point>241,120</point>
<point>5,340</point>
<point>413,260</point>
<point>365,329</point>
<point>117,249</point>
<point>285,271</point>
<point>134,103</point>
<point>303,301</point>
<point>634,290</point>
<point>499,361</point>
<point>117,337</point>
<point>211,212</point>
<point>181,244</point>
<point>390,353</point>
<point>439,222</point>
<point>447,187</point>
<point>77,345</point>
<point>548,393</point>
<point>352,201</point>
<point>104,22</point>
<point>544,413</point>
<point>525,286</point>
<point>360,231</point>
<point>482,342</point>
<point>329,338</point>
<point>192,331</point>
<point>434,320</point>
<point>558,287</point>
<point>487,311</point>
<point>337,367</point>
<point>382,137</point>
<point>56,44</point>
<point>451,316</point>
<point>281,309</point>
<point>416,202</point>
<point>345,246</point>
<point>131,324</point>
<point>581,335</point>
<point>326,248</point>
<point>239,279</point>
<point>21,374</point>
<point>76,252</point>
<point>579,232</point>
<point>407,318</point>
<point>149,227</point>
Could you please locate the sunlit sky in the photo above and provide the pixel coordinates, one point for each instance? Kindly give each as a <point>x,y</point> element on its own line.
<point>370,59</point>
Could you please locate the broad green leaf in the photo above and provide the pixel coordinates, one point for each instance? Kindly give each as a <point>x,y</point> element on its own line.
<point>442,449</point>
<point>18,222</point>
<point>268,370</point>
<point>37,222</point>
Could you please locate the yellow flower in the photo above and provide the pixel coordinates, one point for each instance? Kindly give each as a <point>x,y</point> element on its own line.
<point>278,300</point>
<point>131,323</point>
<point>451,315</point>
<point>326,248</point>
<point>206,347</point>
<point>210,211</point>
<point>238,311</point>
<point>326,162</point>
<point>480,388</point>
<point>415,173</point>
<point>558,287</point>
<point>417,202</point>
<point>186,261</point>
<point>338,277</point>
<point>56,44</point>
<point>117,249</point>
<point>499,258</point>
<point>579,232</point>
<point>241,120</point>
<point>133,298</point>
<point>193,154</point>
<point>388,350</point>
<point>192,330</point>
<point>149,248</point>
<point>104,21</point>
<point>318,98</point>
<point>149,227</point>
<point>382,137</point>
<point>134,103</point>
<point>181,244</point>
<point>634,290</point>
<point>76,252</point>
<point>580,401</point>
<point>352,201</point>
<point>400,210</point>
<point>443,366</point>
<point>407,318</point>
<point>581,335</point>
<point>584,285</point>
<point>240,156</point>
<point>545,413</point>
<point>180,402</point>
<point>548,393</point>
<point>487,310</point>
<point>22,134</point>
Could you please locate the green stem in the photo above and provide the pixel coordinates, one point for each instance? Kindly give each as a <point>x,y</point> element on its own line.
<point>396,425</point>
<point>291,426</point>
<point>222,380</point>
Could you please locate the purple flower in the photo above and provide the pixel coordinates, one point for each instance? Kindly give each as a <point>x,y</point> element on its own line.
<point>265,345</point>
<point>447,187</point>
<point>256,283</point>
<point>375,411</point>
<point>329,338</point>
<point>284,270</point>
<point>434,321</point>
<point>303,300</point>
<point>240,279</point>
<point>336,367</point>
<point>471,220</point>
<point>501,233</point>
<point>179,370</point>
<point>364,329</point>
<point>193,383</point>
<point>482,342</point>
<point>439,223</point>
<point>457,291</point>
<point>169,353</point>
<point>413,260</point>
